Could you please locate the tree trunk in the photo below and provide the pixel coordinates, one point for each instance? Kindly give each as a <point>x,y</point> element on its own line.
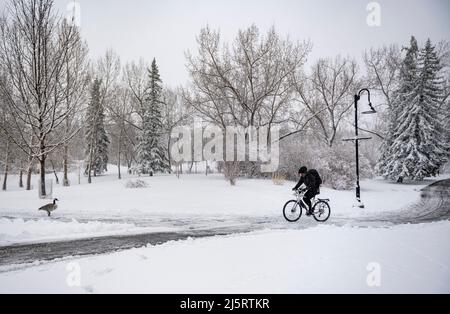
<point>43,192</point>
<point>118,155</point>
<point>29,173</point>
<point>5,178</point>
<point>66,166</point>
<point>30,166</point>
<point>66,146</point>
<point>118,168</point>
<point>168,152</point>
<point>129,162</point>
<point>90,166</point>
<point>79,173</point>
<point>54,172</point>
<point>21,178</point>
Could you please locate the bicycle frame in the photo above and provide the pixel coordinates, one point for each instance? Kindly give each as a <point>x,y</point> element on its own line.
<point>300,195</point>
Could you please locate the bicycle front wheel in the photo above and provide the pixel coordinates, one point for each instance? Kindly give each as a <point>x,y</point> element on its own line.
<point>292,211</point>
<point>321,211</point>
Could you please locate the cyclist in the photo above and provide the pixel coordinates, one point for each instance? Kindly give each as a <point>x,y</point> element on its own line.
<point>311,179</point>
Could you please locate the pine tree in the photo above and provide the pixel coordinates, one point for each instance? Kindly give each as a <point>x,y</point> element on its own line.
<point>408,79</point>
<point>431,92</point>
<point>151,152</point>
<point>417,150</point>
<point>101,158</point>
<point>96,137</point>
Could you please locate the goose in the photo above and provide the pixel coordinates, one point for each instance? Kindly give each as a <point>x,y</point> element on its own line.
<point>49,208</point>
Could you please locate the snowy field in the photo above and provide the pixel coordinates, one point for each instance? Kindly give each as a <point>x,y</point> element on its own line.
<point>403,259</point>
<point>193,196</point>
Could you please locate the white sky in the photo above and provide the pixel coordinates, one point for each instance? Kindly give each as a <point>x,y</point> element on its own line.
<point>165,29</point>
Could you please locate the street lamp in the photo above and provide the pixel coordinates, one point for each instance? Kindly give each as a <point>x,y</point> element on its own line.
<point>356,139</point>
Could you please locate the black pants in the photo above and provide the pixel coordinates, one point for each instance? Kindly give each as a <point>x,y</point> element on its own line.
<point>308,196</point>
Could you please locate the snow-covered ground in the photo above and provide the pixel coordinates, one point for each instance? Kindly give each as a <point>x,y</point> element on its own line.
<point>320,258</point>
<point>200,195</point>
<point>403,259</point>
<point>20,231</point>
<point>80,205</point>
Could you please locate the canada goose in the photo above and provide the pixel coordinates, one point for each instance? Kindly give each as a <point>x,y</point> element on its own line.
<point>50,207</point>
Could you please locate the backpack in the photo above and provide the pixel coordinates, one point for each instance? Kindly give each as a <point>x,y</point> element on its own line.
<point>317,177</point>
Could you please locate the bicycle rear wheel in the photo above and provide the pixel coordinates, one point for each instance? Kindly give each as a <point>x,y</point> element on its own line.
<point>321,211</point>
<point>292,211</point>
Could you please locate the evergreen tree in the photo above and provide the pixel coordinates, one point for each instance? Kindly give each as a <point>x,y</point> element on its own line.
<point>416,149</point>
<point>151,151</point>
<point>96,137</point>
<point>431,93</point>
<point>408,79</point>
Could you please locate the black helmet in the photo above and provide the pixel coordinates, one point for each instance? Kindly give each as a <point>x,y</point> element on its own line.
<point>302,170</point>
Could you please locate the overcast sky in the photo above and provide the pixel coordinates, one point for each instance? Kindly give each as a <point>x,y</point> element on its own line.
<point>165,29</point>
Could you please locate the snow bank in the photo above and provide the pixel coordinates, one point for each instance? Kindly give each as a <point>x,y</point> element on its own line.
<point>16,231</point>
<point>410,259</point>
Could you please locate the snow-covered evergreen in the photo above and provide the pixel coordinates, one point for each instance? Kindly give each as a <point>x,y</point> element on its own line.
<point>414,147</point>
<point>96,137</point>
<point>151,151</point>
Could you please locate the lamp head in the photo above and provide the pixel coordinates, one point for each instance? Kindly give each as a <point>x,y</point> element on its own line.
<point>372,111</point>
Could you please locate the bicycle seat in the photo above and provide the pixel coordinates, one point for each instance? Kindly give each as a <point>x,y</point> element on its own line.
<point>324,199</point>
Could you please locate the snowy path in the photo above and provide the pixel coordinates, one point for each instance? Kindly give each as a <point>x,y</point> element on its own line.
<point>434,206</point>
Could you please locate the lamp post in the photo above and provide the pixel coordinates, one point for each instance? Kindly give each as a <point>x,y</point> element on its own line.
<point>357,139</point>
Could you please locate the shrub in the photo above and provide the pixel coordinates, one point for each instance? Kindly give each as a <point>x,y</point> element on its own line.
<point>136,184</point>
<point>278,178</point>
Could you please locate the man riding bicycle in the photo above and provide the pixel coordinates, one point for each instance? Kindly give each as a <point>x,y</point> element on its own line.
<point>312,181</point>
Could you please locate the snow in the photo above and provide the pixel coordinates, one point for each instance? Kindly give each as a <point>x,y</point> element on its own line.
<point>324,259</point>
<point>20,231</point>
<point>321,258</point>
<point>192,198</point>
<point>200,195</point>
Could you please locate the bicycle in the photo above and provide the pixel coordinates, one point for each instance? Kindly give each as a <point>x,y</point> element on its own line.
<point>293,209</point>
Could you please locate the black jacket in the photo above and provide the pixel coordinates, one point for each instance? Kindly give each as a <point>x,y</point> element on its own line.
<point>311,180</point>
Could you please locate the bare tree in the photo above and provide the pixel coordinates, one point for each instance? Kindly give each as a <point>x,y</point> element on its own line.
<point>120,111</point>
<point>108,69</point>
<point>136,79</point>
<point>34,47</point>
<point>383,67</point>
<point>245,84</point>
<point>327,94</point>
<point>174,113</point>
<point>74,83</point>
